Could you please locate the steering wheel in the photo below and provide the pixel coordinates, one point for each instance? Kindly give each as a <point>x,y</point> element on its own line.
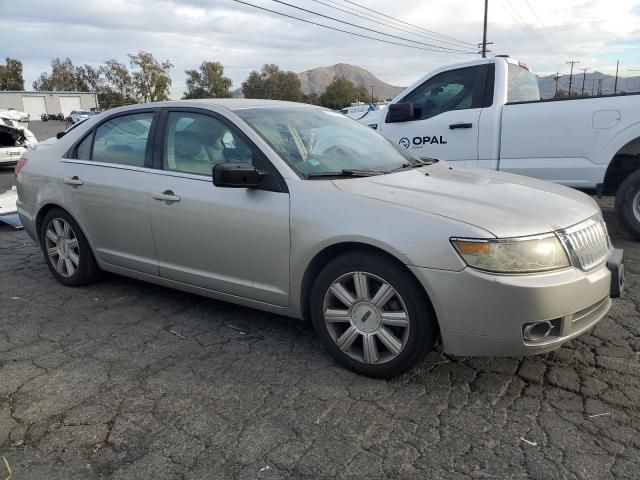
<point>340,141</point>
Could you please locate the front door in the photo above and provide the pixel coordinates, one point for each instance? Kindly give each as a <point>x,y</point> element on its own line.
<point>104,187</point>
<point>447,107</point>
<point>230,240</point>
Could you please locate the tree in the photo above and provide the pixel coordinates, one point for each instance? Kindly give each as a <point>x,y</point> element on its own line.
<point>11,75</point>
<point>207,82</point>
<point>341,93</point>
<point>151,80</point>
<point>119,84</point>
<point>274,84</point>
<point>64,77</point>
<point>363,94</point>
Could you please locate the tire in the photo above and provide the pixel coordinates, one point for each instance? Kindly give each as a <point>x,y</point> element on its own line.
<point>66,250</point>
<point>363,328</point>
<point>628,204</point>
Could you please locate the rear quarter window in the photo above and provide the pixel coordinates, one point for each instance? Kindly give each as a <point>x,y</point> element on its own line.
<point>522,85</point>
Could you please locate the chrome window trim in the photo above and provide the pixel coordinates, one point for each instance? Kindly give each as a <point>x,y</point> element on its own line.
<point>154,171</point>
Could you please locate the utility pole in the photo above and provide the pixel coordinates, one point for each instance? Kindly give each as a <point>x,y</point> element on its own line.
<point>484,36</point>
<point>371,94</point>
<point>557,80</point>
<point>615,85</point>
<point>572,63</point>
<point>584,76</point>
<point>593,89</point>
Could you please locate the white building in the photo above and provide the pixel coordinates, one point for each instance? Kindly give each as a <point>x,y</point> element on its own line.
<point>37,103</point>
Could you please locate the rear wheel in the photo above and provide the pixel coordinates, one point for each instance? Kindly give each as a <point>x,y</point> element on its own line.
<point>66,249</point>
<point>628,204</point>
<point>371,315</point>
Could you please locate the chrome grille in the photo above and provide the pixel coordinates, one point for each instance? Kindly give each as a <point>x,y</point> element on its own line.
<point>587,243</point>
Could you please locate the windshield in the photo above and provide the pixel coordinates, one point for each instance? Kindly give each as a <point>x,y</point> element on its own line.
<point>315,141</point>
<point>522,85</point>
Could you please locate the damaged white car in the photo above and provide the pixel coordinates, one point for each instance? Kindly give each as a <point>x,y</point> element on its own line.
<point>15,137</point>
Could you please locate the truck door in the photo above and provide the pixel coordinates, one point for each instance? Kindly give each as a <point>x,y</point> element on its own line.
<point>447,112</point>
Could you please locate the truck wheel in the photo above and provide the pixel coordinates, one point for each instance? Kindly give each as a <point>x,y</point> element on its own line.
<point>628,204</point>
<point>371,315</point>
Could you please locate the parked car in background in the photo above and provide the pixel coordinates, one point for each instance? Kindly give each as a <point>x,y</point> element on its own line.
<point>300,211</point>
<point>79,115</point>
<point>15,137</point>
<point>488,113</point>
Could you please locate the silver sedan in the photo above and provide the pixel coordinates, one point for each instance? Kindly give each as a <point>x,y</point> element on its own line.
<point>300,211</point>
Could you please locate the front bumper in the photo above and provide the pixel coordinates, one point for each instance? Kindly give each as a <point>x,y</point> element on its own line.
<point>482,314</point>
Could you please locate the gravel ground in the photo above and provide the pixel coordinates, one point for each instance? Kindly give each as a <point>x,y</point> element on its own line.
<point>126,380</point>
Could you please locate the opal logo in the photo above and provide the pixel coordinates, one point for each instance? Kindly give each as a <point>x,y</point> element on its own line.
<point>404,141</point>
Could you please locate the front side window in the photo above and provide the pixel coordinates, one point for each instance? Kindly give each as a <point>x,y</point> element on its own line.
<point>316,141</point>
<point>458,89</point>
<point>195,142</point>
<point>123,140</point>
<point>522,85</point>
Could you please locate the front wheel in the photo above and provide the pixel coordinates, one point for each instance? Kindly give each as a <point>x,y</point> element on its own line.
<point>66,249</point>
<point>628,204</point>
<point>371,315</point>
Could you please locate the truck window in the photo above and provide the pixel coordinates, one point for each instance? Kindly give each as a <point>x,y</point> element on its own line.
<point>522,85</point>
<point>458,89</point>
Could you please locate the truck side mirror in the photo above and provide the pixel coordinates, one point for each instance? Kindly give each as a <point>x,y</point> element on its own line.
<point>401,112</point>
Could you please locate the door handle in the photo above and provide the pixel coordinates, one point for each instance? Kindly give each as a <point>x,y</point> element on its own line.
<point>72,181</point>
<point>454,126</point>
<point>166,196</point>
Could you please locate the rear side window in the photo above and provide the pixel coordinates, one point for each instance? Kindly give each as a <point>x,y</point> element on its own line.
<point>522,85</point>
<point>123,140</point>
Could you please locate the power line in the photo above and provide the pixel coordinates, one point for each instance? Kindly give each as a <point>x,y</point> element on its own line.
<point>355,13</point>
<point>560,48</point>
<point>403,22</point>
<point>447,49</point>
<point>398,24</point>
<point>344,31</point>
<point>525,27</point>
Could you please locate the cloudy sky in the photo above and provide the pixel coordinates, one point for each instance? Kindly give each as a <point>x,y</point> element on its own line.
<point>543,33</point>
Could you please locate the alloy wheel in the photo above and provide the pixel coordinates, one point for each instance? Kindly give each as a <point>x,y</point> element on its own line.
<point>62,247</point>
<point>366,317</point>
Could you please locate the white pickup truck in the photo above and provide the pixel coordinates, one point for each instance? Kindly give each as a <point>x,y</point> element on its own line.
<point>488,113</point>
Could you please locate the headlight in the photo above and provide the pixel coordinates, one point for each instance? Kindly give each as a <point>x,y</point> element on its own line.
<point>521,255</point>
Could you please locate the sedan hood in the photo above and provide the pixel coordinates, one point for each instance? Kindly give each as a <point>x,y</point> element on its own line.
<point>504,204</point>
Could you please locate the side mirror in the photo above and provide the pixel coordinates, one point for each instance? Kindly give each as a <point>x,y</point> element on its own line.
<point>237,175</point>
<point>401,112</point>
<point>59,135</point>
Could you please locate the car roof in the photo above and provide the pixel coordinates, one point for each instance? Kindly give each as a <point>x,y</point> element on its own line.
<point>232,104</point>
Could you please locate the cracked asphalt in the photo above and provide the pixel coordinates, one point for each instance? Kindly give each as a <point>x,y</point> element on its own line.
<point>127,380</point>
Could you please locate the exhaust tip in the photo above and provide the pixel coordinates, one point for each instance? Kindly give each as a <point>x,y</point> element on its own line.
<point>537,331</point>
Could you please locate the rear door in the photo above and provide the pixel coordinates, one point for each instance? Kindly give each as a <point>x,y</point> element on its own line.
<point>230,240</point>
<point>105,184</point>
<point>448,107</point>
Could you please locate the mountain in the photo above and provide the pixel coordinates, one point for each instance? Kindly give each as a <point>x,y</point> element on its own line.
<point>316,81</point>
<point>591,81</point>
